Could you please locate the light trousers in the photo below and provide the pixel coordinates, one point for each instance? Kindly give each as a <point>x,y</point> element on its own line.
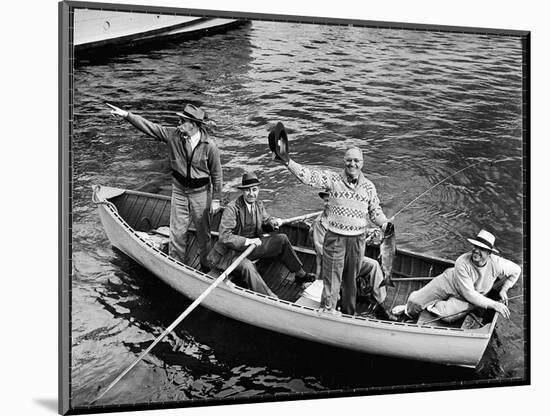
<point>188,206</point>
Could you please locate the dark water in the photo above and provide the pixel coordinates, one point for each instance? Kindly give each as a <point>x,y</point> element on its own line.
<point>422,105</point>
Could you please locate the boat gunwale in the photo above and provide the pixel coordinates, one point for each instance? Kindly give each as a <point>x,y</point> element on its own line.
<point>483,332</point>
<point>402,251</point>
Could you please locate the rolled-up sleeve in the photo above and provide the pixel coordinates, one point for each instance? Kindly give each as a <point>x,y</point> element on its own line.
<point>510,272</point>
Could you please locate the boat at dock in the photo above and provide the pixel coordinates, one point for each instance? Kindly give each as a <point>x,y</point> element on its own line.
<point>136,224</point>
<point>100,29</point>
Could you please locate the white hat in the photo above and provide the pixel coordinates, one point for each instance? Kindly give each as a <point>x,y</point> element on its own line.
<point>484,240</point>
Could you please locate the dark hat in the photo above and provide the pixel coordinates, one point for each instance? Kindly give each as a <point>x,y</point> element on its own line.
<point>278,141</point>
<point>249,179</point>
<point>484,239</point>
<point>193,113</point>
<point>322,194</point>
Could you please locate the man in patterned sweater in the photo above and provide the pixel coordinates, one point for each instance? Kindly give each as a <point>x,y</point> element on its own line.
<point>352,201</point>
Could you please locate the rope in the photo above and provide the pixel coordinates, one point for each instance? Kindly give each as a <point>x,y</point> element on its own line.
<point>97,201</point>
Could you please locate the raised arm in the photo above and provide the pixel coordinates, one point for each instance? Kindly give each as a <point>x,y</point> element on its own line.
<point>156,131</point>
<point>317,178</point>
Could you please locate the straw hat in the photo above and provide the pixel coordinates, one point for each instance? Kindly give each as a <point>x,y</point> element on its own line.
<point>485,240</point>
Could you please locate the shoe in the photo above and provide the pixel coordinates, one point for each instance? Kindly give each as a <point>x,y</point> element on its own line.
<point>331,312</point>
<point>384,314</point>
<point>308,277</point>
<point>204,269</point>
<point>399,310</point>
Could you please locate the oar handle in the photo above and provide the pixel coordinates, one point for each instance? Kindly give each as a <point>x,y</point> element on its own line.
<point>184,314</point>
<point>300,217</point>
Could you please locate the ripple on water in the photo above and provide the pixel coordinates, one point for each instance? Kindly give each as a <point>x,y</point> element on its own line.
<point>422,105</point>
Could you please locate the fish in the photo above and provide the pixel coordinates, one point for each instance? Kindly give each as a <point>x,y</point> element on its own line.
<point>387,253</point>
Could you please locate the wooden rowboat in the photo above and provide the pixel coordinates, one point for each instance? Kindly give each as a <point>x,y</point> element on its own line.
<point>130,218</point>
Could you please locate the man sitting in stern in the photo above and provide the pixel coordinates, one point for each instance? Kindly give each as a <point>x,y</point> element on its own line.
<point>244,222</point>
<point>463,287</point>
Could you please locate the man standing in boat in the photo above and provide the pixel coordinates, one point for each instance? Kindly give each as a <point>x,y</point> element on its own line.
<point>369,276</point>
<point>352,201</point>
<point>244,222</point>
<point>196,172</point>
<point>463,287</point>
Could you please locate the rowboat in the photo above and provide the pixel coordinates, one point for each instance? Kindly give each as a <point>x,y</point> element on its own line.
<point>132,221</point>
<point>95,29</point>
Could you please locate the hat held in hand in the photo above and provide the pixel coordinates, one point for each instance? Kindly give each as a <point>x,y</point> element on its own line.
<point>278,143</point>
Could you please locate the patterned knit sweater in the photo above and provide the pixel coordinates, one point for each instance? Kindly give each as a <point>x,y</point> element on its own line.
<point>350,206</point>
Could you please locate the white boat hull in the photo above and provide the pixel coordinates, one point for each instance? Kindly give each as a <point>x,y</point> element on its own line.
<point>97,28</point>
<point>441,345</point>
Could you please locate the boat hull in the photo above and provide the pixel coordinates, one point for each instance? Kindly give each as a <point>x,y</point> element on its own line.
<point>95,29</point>
<point>440,345</point>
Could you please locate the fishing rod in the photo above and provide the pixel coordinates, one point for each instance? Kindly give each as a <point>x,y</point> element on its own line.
<point>448,177</point>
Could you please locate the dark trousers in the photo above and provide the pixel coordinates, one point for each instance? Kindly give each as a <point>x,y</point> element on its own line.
<point>274,246</point>
<point>342,256</point>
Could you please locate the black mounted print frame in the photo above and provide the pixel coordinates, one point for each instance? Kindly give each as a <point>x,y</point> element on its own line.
<point>422,80</point>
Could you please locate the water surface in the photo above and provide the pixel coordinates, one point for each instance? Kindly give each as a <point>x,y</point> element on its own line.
<point>422,105</point>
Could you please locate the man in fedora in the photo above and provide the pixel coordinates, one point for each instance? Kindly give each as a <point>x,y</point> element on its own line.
<point>352,202</point>
<point>244,222</point>
<point>465,286</point>
<point>196,174</point>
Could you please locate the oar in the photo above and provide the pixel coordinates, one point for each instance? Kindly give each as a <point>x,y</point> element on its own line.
<point>300,217</point>
<point>458,313</point>
<point>181,317</point>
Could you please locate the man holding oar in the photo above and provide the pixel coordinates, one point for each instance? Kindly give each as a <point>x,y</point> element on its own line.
<point>244,222</point>
<point>465,286</point>
<point>352,201</point>
<point>196,172</point>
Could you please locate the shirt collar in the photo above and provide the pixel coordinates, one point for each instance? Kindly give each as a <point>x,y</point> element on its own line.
<point>194,139</point>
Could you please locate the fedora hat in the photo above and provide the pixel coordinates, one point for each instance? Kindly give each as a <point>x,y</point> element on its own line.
<point>249,179</point>
<point>484,239</point>
<point>278,142</point>
<point>193,113</point>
